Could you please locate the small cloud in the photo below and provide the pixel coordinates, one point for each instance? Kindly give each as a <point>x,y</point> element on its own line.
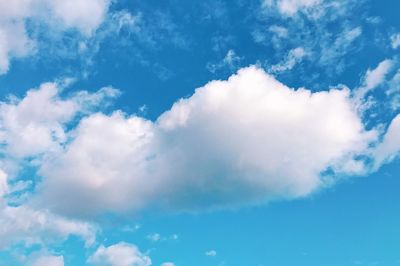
<point>395,40</point>
<point>119,254</point>
<point>154,237</point>
<point>289,8</point>
<point>143,109</point>
<point>231,60</point>
<point>211,253</point>
<point>280,31</point>
<point>294,57</point>
<point>374,78</point>
<point>157,237</point>
<point>353,34</point>
<point>168,264</point>
<point>130,228</point>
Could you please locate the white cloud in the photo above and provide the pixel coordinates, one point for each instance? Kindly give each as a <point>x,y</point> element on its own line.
<point>373,78</point>
<point>231,60</point>
<point>86,15</point>
<point>394,84</point>
<point>154,237</point>
<point>29,226</point>
<point>280,31</point>
<point>14,42</point>
<point>309,27</point>
<point>28,128</point>
<point>352,34</point>
<point>393,91</point>
<point>390,147</point>
<point>291,7</point>
<point>48,260</point>
<point>121,254</point>
<point>243,141</point>
<point>294,57</point>
<point>395,40</point>
<point>17,42</point>
<point>3,185</point>
<point>168,264</point>
<point>211,253</point>
<point>333,51</point>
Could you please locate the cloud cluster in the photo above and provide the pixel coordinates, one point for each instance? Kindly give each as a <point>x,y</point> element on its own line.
<point>16,40</point>
<point>243,141</point>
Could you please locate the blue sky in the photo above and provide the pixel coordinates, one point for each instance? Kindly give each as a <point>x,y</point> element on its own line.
<point>175,133</point>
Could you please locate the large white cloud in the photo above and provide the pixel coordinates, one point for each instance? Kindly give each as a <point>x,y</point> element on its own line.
<point>246,140</point>
<point>120,254</point>
<point>15,40</point>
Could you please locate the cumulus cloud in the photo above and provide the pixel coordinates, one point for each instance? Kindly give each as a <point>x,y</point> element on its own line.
<point>15,39</point>
<point>121,254</point>
<point>243,141</point>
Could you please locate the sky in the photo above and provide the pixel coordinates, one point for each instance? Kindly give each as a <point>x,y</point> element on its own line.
<point>196,133</point>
